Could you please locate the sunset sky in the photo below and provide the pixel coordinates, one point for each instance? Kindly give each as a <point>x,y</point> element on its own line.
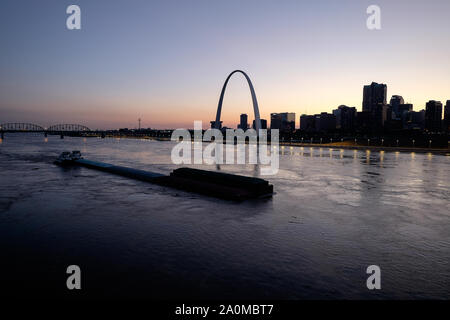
<point>166,61</point>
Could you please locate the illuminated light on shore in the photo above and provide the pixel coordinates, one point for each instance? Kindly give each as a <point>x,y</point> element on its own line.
<point>430,156</point>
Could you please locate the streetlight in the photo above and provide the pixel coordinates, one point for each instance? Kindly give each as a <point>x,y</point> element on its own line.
<point>382,142</point>
<point>320,140</point>
<point>397,142</point>
<point>429,145</point>
<point>368,142</point>
<point>331,140</point>
<point>414,143</point>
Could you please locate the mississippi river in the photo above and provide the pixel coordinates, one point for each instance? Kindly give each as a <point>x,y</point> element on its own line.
<point>335,212</point>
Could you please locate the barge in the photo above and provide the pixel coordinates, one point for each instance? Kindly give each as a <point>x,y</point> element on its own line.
<point>209,183</point>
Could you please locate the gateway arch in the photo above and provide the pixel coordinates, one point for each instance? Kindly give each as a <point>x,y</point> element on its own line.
<point>255,102</point>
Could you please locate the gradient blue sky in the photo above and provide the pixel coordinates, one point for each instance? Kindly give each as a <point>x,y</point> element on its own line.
<point>165,61</point>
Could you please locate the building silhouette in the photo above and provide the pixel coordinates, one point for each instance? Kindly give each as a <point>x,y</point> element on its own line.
<point>282,121</point>
<point>263,124</point>
<point>413,120</point>
<point>395,103</point>
<point>374,95</point>
<point>447,116</point>
<point>213,125</point>
<point>307,123</point>
<point>243,124</point>
<point>325,122</point>
<point>345,118</point>
<point>433,116</point>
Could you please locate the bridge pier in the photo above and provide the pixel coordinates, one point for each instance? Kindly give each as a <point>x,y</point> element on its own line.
<point>45,134</point>
<point>62,136</point>
<point>3,135</point>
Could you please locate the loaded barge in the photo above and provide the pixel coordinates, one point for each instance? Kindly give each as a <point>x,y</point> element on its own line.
<point>214,184</point>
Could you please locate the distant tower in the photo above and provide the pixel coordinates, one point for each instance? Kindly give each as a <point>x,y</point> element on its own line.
<point>244,122</point>
<point>433,116</point>
<point>373,95</point>
<point>395,103</point>
<point>139,123</point>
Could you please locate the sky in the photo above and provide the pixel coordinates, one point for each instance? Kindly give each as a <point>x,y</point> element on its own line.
<point>165,61</point>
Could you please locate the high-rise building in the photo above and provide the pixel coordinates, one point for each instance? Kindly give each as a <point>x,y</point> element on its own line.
<point>307,123</point>
<point>345,118</point>
<point>373,95</point>
<point>395,103</point>
<point>447,116</point>
<point>413,120</point>
<point>263,124</point>
<point>244,122</point>
<point>325,122</point>
<point>433,116</point>
<point>282,121</point>
<point>404,107</point>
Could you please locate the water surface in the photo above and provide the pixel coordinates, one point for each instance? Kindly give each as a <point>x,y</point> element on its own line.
<point>334,213</point>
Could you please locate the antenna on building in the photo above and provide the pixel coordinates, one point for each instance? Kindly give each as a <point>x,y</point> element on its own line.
<point>139,123</point>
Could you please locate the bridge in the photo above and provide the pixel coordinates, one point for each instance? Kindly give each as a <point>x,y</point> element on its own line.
<point>30,127</point>
<point>61,129</point>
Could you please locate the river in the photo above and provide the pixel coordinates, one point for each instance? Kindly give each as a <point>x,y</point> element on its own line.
<point>334,213</point>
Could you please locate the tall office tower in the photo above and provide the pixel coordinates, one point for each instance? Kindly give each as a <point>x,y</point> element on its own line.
<point>282,121</point>
<point>345,118</point>
<point>307,123</point>
<point>244,122</point>
<point>433,116</point>
<point>447,116</point>
<point>395,103</point>
<point>263,124</point>
<point>373,95</point>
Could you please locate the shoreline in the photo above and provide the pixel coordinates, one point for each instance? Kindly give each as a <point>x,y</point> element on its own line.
<point>438,151</point>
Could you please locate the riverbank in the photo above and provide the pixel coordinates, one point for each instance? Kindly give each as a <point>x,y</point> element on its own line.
<point>346,145</point>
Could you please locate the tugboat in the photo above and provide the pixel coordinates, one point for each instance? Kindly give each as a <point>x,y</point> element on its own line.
<point>76,155</point>
<point>67,158</point>
<point>64,158</point>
